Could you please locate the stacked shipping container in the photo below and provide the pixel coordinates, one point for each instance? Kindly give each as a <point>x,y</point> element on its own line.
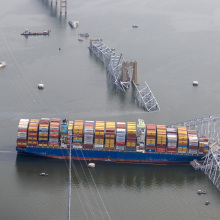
<point>150,138</point>
<point>88,134</point>
<point>64,131</point>
<point>99,135</point>
<point>182,140</point>
<point>131,136</point>
<point>22,133</point>
<point>141,132</point>
<point>78,134</point>
<point>70,134</point>
<point>33,132</point>
<point>120,135</point>
<point>203,145</point>
<point>161,138</point>
<point>171,140</point>
<point>43,132</point>
<point>192,142</point>
<point>54,132</point>
<point>110,136</point>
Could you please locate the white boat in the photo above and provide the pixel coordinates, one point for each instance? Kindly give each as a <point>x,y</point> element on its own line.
<point>199,192</point>
<point>43,174</point>
<point>91,165</point>
<point>2,64</point>
<point>80,39</point>
<point>40,86</point>
<point>195,83</point>
<point>73,24</point>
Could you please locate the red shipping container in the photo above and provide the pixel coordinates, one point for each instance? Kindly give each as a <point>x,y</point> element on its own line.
<point>88,146</point>
<point>161,150</point>
<point>54,135</point>
<point>150,147</point>
<point>171,151</point>
<point>21,140</point>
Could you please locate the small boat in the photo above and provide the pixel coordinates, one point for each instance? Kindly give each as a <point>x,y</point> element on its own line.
<point>40,86</point>
<point>43,174</point>
<point>91,165</point>
<point>2,64</point>
<point>28,33</point>
<point>199,192</point>
<point>112,49</point>
<point>135,26</point>
<point>80,39</point>
<point>195,83</point>
<point>84,35</point>
<point>207,203</point>
<point>73,24</point>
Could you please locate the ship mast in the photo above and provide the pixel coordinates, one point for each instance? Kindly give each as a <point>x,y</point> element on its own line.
<point>69,190</point>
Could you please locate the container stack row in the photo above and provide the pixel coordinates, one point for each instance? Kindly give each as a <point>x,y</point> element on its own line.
<point>78,134</point>
<point>192,142</point>
<point>64,131</point>
<point>70,134</point>
<point>203,145</point>
<point>120,136</point>
<point>43,132</point>
<point>131,136</point>
<point>161,138</point>
<point>54,133</point>
<point>110,135</point>
<point>99,135</point>
<point>22,133</point>
<point>141,132</point>
<point>88,134</point>
<point>182,140</point>
<point>33,132</point>
<point>150,138</point>
<point>171,140</point>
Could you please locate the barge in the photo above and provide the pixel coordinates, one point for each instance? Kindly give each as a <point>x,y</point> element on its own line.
<point>28,33</point>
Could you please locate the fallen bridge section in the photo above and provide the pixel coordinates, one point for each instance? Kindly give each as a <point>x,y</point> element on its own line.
<point>123,74</point>
<point>212,165</point>
<point>145,98</point>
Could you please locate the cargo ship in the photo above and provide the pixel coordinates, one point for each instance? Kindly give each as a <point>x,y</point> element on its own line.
<point>28,33</point>
<point>118,142</point>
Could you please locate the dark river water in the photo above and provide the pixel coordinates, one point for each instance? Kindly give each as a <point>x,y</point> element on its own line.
<point>177,42</point>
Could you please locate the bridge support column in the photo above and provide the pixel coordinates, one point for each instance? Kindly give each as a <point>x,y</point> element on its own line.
<point>63,4</point>
<point>135,72</point>
<point>123,72</point>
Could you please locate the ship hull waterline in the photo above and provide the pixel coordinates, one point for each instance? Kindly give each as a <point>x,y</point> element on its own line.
<point>110,156</point>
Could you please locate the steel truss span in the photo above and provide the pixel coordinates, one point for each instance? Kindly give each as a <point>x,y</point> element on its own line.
<point>123,74</point>
<point>207,126</point>
<point>211,165</point>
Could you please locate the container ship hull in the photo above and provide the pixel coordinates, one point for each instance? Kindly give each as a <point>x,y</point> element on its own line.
<point>110,156</point>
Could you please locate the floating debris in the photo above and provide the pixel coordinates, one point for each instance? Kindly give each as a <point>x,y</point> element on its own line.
<point>73,24</point>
